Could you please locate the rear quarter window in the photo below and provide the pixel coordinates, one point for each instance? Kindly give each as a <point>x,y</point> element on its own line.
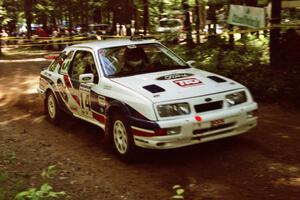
<point>53,65</point>
<point>57,62</point>
<point>66,64</point>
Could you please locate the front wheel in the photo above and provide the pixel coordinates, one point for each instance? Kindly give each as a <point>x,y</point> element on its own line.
<point>122,138</point>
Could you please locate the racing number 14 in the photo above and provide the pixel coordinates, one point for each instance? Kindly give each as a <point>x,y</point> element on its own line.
<point>85,103</point>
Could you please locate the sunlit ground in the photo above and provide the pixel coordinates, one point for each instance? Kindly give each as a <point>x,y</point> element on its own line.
<point>24,60</point>
<point>20,76</point>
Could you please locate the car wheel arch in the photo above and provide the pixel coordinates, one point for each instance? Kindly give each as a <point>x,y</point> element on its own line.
<point>115,107</point>
<point>47,91</point>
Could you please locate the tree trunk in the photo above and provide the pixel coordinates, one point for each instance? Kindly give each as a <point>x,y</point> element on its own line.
<point>197,10</point>
<point>28,15</point>
<point>70,11</point>
<point>187,23</point>
<point>275,34</point>
<point>161,6</point>
<point>231,37</point>
<point>0,44</point>
<point>202,15</point>
<point>146,16</point>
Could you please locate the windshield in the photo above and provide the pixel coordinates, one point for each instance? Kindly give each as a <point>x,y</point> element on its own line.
<point>138,59</point>
<point>169,23</point>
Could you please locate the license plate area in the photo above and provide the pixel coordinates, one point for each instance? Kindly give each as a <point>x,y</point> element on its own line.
<point>217,123</point>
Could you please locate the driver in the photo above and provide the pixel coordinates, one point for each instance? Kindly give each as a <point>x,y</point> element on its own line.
<point>135,58</point>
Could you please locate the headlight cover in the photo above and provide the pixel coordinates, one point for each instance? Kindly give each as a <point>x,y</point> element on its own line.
<point>170,110</point>
<point>236,98</point>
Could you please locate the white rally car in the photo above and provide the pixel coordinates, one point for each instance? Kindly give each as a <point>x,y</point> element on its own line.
<point>144,95</point>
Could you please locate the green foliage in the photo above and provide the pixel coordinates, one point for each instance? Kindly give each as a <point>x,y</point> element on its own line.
<point>3,176</point>
<point>4,18</point>
<point>47,173</point>
<point>179,192</point>
<point>11,157</point>
<point>44,192</point>
<point>248,63</point>
<point>215,55</point>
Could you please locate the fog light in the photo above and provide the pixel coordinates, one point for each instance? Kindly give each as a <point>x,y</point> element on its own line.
<point>173,130</point>
<point>168,131</point>
<point>252,114</point>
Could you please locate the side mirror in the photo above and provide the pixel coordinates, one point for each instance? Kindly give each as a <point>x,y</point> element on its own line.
<point>86,78</point>
<point>191,63</point>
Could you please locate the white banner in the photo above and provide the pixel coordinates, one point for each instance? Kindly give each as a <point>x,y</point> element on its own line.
<point>290,4</point>
<point>249,16</point>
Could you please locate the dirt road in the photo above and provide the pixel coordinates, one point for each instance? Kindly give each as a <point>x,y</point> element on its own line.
<point>262,164</point>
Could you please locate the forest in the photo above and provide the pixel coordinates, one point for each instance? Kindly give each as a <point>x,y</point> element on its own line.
<point>75,160</point>
<point>246,54</point>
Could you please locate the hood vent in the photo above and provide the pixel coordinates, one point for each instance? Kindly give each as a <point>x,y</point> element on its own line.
<point>217,79</point>
<point>154,88</point>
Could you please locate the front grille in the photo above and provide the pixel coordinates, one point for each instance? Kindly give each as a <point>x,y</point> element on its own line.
<point>201,131</point>
<point>208,106</point>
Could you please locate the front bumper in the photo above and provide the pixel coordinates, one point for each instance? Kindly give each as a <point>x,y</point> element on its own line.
<point>234,121</point>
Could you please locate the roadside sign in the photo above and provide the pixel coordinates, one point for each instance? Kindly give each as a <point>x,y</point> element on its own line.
<point>290,4</point>
<point>253,17</point>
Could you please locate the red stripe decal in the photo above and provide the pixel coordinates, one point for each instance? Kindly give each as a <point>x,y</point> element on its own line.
<point>99,117</point>
<point>67,81</point>
<point>141,133</point>
<point>76,98</point>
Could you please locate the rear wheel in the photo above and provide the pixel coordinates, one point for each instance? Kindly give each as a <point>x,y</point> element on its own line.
<point>122,138</point>
<point>51,108</point>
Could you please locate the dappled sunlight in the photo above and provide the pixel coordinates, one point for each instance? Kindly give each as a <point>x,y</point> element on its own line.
<point>297,127</point>
<point>24,60</point>
<point>11,88</point>
<point>290,174</point>
<point>210,190</point>
<point>283,168</point>
<point>39,119</point>
<point>291,181</point>
<point>6,122</point>
<point>283,135</point>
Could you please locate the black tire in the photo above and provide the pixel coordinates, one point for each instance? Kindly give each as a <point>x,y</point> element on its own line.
<point>51,108</point>
<point>122,138</point>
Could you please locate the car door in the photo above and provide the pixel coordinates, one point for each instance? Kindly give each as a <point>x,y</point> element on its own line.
<point>83,63</point>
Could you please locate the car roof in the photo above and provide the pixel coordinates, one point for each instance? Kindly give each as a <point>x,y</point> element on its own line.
<point>100,44</point>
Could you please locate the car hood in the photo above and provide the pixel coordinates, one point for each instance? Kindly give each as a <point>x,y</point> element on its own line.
<point>177,84</point>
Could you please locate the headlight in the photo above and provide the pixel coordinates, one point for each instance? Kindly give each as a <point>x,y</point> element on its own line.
<point>170,110</point>
<point>236,98</point>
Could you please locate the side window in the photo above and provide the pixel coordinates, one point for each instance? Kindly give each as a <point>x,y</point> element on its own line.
<point>82,63</point>
<point>53,65</point>
<point>57,62</point>
<point>65,66</point>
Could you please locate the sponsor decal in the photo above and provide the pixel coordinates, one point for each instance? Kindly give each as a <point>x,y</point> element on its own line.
<point>101,101</point>
<point>85,88</point>
<point>131,46</point>
<point>98,103</point>
<point>174,76</point>
<point>107,87</point>
<point>188,82</point>
<point>142,132</point>
<point>217,123</point>
<point>100,118</point>
<point>86,78</point>
<point>102,51</point>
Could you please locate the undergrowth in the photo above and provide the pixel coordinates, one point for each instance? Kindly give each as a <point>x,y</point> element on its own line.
<point>248,63</point>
